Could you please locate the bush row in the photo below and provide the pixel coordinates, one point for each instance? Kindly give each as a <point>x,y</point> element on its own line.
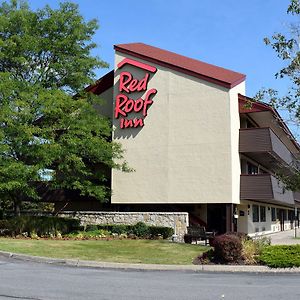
<point>235,248</point>
<point>140,229</point>
<point>40,225</point>
<point>281,256</point>
<point>45,226</point>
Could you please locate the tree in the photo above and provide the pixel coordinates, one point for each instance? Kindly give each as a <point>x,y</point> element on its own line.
<point>47,135</point>
<point>287,48</point>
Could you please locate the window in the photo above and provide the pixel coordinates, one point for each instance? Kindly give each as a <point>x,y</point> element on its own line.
<point>278,214</point>
<point>285,215</point>
<point>262,213</point>
<point>252,169</point>
<point>273,212</point>
<point>290,215</point>
<point>255,213</point>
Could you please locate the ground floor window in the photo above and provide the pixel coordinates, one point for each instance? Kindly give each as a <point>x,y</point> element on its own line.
<point>273,212</point>
<point>258,213</point>
<point>255,213</point>
<point>262,213</point>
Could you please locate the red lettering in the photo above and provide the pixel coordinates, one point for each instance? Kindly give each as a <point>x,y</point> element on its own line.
<point>125,78</point>
<point>138,106</point>
<point>142,86</point>
<point>133,85</point>
<point>128,84</point>
<point>129,123</point>
<point>138,122</point>
<point>120,101</point>
<point>148,101</point>
<point>125,105</point>
<point>129,106</point>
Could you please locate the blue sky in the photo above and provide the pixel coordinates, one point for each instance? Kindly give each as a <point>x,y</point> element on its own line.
<point>227,33</point>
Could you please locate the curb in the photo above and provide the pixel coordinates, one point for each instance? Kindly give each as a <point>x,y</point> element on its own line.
<point>148,267</point>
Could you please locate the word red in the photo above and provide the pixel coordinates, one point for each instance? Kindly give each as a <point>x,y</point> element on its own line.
<point>133,85</point>
<point>125,105</point>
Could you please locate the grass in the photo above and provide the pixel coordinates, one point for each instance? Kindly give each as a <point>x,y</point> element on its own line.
<point>126,251</point>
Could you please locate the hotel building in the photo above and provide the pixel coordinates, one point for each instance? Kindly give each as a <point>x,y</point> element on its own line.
<point>195,143</point>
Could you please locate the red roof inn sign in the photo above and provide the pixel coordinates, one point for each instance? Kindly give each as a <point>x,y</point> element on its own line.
<point>128,85</point>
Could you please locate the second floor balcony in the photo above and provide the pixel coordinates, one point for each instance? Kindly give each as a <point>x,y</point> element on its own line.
<point>265,188</point>
<point>264,146</point>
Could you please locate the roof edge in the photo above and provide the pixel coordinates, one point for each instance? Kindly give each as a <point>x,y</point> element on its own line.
<point>182,70</point>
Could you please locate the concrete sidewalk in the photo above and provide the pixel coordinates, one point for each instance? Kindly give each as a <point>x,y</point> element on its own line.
<point>285,237</point>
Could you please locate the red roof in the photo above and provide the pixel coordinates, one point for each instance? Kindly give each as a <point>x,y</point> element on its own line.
<point>248,105</point>
<point>102,84</point>
<point>183,64</point>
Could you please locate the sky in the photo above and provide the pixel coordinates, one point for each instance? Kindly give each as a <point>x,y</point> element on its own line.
<point>226,33</point>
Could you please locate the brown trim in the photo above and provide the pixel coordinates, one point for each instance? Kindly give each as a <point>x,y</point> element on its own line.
<point>181,68</point>
<point>102,84</point>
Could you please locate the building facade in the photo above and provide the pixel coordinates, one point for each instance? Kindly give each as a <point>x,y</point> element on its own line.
<point>195,143</point>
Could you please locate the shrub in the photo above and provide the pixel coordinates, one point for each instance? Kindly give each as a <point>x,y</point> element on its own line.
<point>119,229</point>
<point>188,239</point>
<point>140,229</point>
<point>227,248</point>
<point>165,232</point>
<point>281,256</point>
<point>249,251</point>
<point>91,228</point>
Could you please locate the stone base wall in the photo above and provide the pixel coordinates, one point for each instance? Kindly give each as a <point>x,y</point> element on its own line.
<point>177,220</point>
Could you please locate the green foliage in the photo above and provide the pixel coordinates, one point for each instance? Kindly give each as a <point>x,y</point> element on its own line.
<point>48,137</point>
<point>252,248</point>
<point>91,234</point>
<point>164,232</point>
<point>140,229</point>
<point>42,226</point>
<point>91,227</point>
<point>281,256</point>
<point>286,47</point>
<point>227,248</point>
<point>120,229</point>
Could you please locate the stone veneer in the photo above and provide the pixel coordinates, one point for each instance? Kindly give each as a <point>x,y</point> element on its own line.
<point>177,220</point>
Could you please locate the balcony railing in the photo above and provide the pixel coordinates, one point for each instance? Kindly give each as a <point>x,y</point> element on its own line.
<point>265,188</point>
<point>263,145</point>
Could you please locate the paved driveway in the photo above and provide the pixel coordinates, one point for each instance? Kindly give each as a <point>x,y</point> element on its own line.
<point>38,281</point>
<point>285,237</point>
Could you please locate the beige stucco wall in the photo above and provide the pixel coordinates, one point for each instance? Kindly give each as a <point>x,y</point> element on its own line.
<point>234,140</point>
<point>105,106</point>
<point>187,152</point>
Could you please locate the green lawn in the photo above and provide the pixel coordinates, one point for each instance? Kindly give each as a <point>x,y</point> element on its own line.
<point>127,251</point>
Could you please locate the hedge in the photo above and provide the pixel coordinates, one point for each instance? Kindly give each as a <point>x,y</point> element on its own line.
<point>41,225</point>
<point>140,229</point>
<point>281,256</point>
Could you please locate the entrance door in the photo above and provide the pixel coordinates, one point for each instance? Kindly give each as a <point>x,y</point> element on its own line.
<point>216,218</point>
<point>281,219</point>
